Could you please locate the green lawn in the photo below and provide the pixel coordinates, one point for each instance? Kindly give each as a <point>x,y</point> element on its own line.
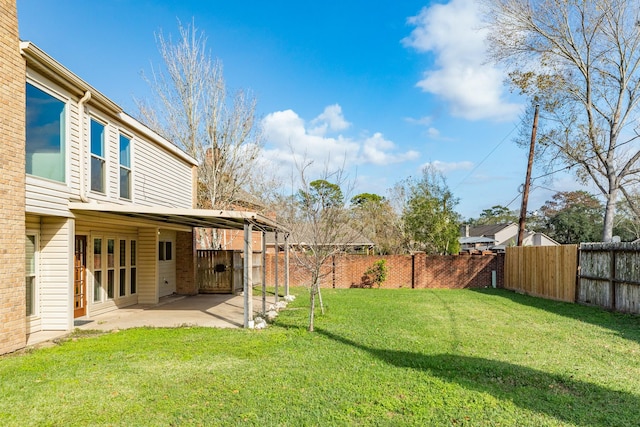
<point>378,357</point>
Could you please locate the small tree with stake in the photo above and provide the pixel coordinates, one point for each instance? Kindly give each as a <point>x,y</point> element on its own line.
<point>318,220</point>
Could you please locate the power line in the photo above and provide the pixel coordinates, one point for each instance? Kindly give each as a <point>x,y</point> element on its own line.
<point>577,163</point>
<point>486,157</point>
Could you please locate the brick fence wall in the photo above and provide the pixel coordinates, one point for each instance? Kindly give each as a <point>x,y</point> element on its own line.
<point>403,271</point>
<point>12,183</point>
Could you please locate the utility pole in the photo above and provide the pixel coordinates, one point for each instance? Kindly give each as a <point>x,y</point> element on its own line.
<point>525,191</point>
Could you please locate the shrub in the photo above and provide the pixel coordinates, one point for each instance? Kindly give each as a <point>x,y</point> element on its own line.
<point>375,275</point>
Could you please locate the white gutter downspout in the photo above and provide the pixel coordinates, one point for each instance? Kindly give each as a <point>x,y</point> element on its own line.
<point>83,189</point>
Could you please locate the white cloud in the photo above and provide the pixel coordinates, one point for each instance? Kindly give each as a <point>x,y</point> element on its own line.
<point>472,88</point>
<point>379,151</point>
<point>422,121</point>
<point>433,133</point>
<point>330,119</point>
<point>446,167</point>
<point>291,141</point>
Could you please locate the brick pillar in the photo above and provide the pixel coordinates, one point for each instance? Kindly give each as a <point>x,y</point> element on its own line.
<point>186,267</point>
<point>12,183</point>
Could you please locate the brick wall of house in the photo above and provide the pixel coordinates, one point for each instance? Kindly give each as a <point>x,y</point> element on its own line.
<point>12,183</point>
<point>186,281</point>
<point>403,271</point>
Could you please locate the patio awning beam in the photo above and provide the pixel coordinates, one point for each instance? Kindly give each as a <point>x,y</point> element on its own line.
<point>213,218</point>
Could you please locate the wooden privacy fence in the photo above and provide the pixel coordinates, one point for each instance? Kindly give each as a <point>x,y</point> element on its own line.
<point>543,271</point>
<point>610,276</point>
<point>221,271</point>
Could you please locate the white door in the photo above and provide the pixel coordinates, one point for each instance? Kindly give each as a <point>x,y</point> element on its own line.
<point>167,263</point>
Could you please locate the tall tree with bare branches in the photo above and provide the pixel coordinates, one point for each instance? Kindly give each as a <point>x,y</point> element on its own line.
<point>580,60</point>
<point>191,107</point>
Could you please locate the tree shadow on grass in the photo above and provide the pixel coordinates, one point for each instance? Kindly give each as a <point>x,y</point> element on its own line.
<point>625,325</point>
<point>559,396</point>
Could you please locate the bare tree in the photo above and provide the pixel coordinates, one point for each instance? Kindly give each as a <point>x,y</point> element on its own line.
<point>580,61</point>
<point>318,221</point>
<point>191,107</point>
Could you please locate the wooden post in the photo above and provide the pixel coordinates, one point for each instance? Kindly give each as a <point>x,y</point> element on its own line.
<point>264,272</point>
<point>527,182</point>
<point>276,269</point>
<point>612,278</point>
<point>286,264</point>
<point>248,275</point>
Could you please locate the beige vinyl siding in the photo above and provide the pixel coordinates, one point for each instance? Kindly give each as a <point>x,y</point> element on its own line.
<point>148,265</point>
<point>160,179</point>
<point>112,148</point>
<point>56,273</point>
<point>108,222</point>
<point>73,147</point>
<point>46,197</point>
<point>86,224</point>
<point>33,222</point>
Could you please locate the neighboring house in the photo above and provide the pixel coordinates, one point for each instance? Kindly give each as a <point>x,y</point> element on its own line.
<point>497,237</point>
<point>476,243</point>
<point>109,206</point>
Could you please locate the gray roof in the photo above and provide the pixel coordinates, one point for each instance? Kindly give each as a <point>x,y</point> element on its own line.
<point>474,239</point>
<point>488,229</point>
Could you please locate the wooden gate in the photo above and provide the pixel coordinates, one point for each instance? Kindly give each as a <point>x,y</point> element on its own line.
<point>215,272</point>
<point>222,272</point>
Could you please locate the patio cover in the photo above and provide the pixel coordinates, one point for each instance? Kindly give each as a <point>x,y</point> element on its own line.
<point>213,218</point>
<point>233,220</point>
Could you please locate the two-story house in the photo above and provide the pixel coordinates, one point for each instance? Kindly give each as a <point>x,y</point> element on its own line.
<point>496,237</point>
<point>108,207</point>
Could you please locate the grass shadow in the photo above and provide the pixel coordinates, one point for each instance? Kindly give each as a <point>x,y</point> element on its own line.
<point>625,325</point>
<point>561,397</point>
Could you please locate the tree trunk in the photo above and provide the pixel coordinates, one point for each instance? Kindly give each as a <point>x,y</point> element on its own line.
<point>609,215</point>
<point>313,307</point>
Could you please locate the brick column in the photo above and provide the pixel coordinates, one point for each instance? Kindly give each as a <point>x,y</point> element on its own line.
<point>186,268</point>
<point>12,183</point>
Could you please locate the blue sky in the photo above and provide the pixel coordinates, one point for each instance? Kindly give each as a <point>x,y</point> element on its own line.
<point>382,87</point>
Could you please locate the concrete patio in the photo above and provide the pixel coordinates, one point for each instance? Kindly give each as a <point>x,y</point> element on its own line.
<point>216,311</point>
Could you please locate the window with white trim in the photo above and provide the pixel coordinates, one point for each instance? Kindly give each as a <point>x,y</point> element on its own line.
<point>111,272</point>
<point>97,157</point>
<point>133,283</point>
<point>45,135</point>
<point>114,268</point>
<point>125,167</point>
<point>165,251</point>
<point>31,277</point>
<point>97,269</point>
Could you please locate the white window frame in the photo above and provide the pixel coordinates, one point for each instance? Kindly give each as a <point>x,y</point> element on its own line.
<point>67,129</point>
<point>35,275</point>
<point>129,168</point>
<point>103,159</point>
<point>100,292</point>
<point>104,260</point>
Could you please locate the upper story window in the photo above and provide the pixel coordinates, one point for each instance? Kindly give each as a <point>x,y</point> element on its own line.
<point>125,167</point>
<point>97,157</point>
<point>45,132</point>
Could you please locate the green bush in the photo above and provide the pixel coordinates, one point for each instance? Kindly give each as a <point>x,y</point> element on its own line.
<point>375,275</point>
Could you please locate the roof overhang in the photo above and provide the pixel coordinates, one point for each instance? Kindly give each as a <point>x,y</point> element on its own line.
<point>207,218</point>
<point>40,61</point>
